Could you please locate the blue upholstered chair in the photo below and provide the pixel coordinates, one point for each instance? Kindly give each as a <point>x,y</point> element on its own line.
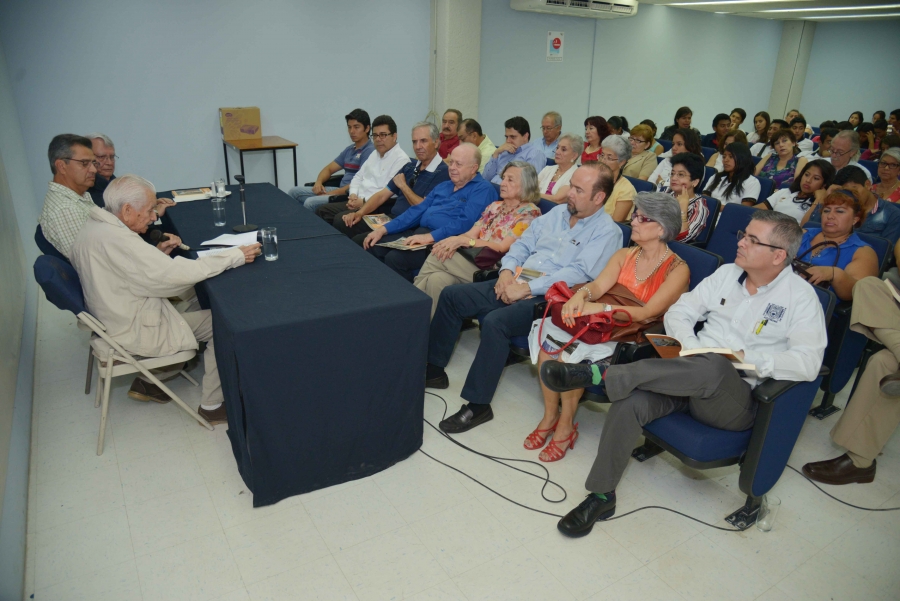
<point>755,159</point>
<point>546,206</point>
<point>667,144</point>
<point>641,185</point>
<point>723,241</point>
<point>708,152</point>
<point>872,166</point>
<point>766,187</point>
<point>708,174</point>
<point>550,162</point>
<point>713,205</point>
<point>45,246</point>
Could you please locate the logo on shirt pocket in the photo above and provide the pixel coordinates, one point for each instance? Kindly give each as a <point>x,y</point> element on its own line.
<point>774,313</point>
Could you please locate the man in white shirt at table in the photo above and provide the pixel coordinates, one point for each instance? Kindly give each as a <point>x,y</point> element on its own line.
<point>127,284</point>
<point>769,316</point>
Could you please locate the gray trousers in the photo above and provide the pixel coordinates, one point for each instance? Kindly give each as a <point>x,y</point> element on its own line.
<point>705,385</point>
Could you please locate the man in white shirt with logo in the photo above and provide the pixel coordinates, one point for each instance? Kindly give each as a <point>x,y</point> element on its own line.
<point>770,318</point>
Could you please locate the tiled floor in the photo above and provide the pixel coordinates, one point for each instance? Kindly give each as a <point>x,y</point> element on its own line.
<point>163,514</point>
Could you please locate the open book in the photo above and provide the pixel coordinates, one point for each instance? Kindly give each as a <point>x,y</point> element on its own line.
<point>376,221</point>
<point>526,275</point>
<point>669,348</point>
<point>399,244</point>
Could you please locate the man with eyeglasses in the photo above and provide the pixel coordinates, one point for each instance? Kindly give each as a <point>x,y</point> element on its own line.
<point>516,148</point>
<point>105,155</point>
<point>551,128</point>
<point>470,131</point>
<point>845,151</point>
<point>769,317</point>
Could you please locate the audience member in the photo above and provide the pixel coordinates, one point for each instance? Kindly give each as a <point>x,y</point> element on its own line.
<point>866,133</point>
<point>350,160</point>
<point>687,173</point>
<point>894,121</point>
<point>449,132</point>
<point>553,180</point>
<point>845,151</point>
<point>105,155</point>
<point>873,412</point>
<point>734,135</point>
<point>826,135</point>
<point>759,287</point>
<point>649,271</point>
<point>784,164</point>
<point>721,124</point>
<point>798,128</point>
<point>856,118</point>
<point>682,120</point>
<point>643,160</point>
<point>793,114</point>
<point>516,148</point>
<point>800,196</point>
<point>764,149</point>
<point>761,122</point>
<point>452,260</point>
<point>551,128</point>
<point>877,115</point>
<point>684,140</point>
<point>450,209</point>
<point>735,183</point>
<point>889,172</point>
<point>571,243</point>
<point>615,153</point>
<point>656,147</point>
<point>876,139</point>
<point>738,116</point>
<point>411,185</point>
<point>470,131</point>
<point>618,126</point>
<point>596,129</point>
<point>127,284</point>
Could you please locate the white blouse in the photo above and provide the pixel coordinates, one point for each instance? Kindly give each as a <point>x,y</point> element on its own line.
<point>660,175</point>
<point>759,146</point>
<point>752,137</point>
<point>751,189</point>
<point>546,176</point>
<point>783,201</point>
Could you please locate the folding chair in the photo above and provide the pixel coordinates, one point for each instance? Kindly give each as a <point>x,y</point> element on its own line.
<point>62,286</point>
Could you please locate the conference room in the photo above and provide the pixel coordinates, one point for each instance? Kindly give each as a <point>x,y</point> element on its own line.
<point>288,324</point>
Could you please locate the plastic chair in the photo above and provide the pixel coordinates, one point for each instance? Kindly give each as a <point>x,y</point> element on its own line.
<point>723,240</point>
<point>641,185</point>
<point>762,451</point>
<point>62,287</point>
<point>766,187</point>
<point>713,205</point>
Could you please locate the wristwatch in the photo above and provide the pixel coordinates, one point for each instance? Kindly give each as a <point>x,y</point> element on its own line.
<point>471,242</point>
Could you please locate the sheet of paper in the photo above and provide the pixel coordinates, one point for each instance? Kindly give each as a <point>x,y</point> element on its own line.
<point>232,239</point>
<point>212,251</point>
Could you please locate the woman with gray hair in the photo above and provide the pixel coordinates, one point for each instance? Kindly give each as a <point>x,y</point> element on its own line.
<point>453,259</point>
<point>649,271</point>
<point>615,152</point>
<point>553,180</point>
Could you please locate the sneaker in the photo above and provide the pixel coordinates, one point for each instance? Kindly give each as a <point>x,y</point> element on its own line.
<point>146,391</point>
<point>215,416</point>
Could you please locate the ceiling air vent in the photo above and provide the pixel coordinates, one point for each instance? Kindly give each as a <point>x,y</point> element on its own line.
<point>594,9</point>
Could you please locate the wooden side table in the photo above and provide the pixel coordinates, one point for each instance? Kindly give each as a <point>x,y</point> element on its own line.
<point>272,143</point>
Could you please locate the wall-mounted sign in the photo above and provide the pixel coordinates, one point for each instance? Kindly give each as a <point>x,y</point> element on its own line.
<point>555,46</point>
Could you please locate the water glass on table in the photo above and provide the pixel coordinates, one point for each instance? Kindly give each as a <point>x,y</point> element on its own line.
<point>218,206</point>
<point>270,243</point>
<point>220,188</point>
<point>768,510</point>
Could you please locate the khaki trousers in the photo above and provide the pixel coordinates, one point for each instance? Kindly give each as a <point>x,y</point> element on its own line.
<point>201,324</point>
<point>435,276</point>
<point>870,418</point>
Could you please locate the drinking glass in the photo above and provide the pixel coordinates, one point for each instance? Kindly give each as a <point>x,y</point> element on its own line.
<point>270,243</point>
<point>765,519</point>
<point>218,205</point>
<point>220,188</point>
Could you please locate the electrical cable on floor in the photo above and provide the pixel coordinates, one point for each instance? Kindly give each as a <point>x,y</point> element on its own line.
<point>805,477</point>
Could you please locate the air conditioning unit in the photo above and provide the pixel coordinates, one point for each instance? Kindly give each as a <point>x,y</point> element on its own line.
<point>594,9</point>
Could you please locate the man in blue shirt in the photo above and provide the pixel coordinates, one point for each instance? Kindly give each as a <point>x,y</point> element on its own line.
<point>449,210</point>
<point>571,243</point>
<point>350,160</point>
<point>551,128</point>
<point>516,148</point>
<point>410,186</point>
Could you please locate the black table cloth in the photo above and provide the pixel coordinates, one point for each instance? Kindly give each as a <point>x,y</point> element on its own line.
<point>321,353</point>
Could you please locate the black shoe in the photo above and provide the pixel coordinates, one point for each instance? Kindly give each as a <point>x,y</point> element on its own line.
<point>465,419</point>
<point>436,377</point>
<point>580,520</point>
<point>561,377</point>
<point>147,391</point>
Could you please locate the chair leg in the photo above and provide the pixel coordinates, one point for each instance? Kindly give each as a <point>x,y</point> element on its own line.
<point>825,408</point>
<point>105,411</point>
<point>175,397</point>
<point>746,516</point>
<point>99,396</point>
<point>188,377</point>
<point>90,371</point>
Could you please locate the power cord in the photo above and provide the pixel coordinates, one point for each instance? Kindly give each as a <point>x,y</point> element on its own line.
<point>805,477</point>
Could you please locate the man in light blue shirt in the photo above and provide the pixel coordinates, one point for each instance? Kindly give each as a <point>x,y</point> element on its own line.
<point>571,243</point>
<point>516,148</point>
<point>551,128</point>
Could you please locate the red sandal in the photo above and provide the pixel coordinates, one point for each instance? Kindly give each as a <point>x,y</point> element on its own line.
<point>557,449</point>
<point>535,441</point>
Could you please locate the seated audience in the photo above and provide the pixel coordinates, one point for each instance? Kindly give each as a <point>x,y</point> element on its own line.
<point>826,135</point>
<point>450,209</point>
<point>452,260</point>
<point>682,120</point>
<point>738,116</point>
<point>761,123</point>
<point>873,412</point>
<point>571,243</point>
<point>856,118</point>
<point>516,148</point>
<point>105,155</point>
<point>784,164</point>
<point>735,183</point>
<point>470,131</point>
<point>732,302</point>
<point>734,135</point>
<point>449,132</point>
<point>350,160</point>
<point>684,140</point>
<point>655,146</point>
<point>127,284</point>
<point>643,160</point>
<point>877,115</point>
<point>798,128</point>
<point>793,114</point>
<point>551,128</point>
<point>845,151</point>
<point>687,173</point>
<point>763,150</point>
<point>650,271</point>
<point>553,180</point>
<point>615,153</point>
<point>889,172</point>
<point>866,133</point>
<point>894,120</point>
<point>411,185</point>
<point>877,138</point>
<point>596,129</point>
<point>721,124</point>
<point>800,196</point>
<point>618,126</point>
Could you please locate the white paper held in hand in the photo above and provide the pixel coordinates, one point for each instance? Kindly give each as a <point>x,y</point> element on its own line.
<point>232,239</point>
<point>212,251</point>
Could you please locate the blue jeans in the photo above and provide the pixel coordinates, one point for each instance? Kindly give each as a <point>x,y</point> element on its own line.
<point>305,196</point>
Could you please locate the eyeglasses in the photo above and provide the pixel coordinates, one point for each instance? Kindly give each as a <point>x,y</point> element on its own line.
<point>84,162</point>
<point>609,158</point>
<point>888,165</point>
<point>837,153</point>
<point>741,234</point>
<point>103,158</point>
<point>634,140</point>
<point>680,175</point>
<point>552,127</point>
<point>382,136</point>
<point>412,178</point>
<point>642,218</point>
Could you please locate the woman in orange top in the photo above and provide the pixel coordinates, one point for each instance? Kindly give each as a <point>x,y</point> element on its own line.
<point>650,270</point>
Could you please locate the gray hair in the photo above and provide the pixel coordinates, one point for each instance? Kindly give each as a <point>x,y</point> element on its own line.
<point>475,152</point>
<point>786,233</point>
<point>61,148</point>
<point>433,130</point>
<point>663,209</point>
<point>128,189</point>
<point>893,152</point>
<point>530,190</point>
<point>575,140</point>
<point>854,141</point>
<point>619,145</point>
<point>557,118</point>
<point>99,136</point>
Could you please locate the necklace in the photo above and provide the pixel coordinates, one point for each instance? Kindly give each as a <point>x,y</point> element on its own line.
<point>649,275</point>
<point>819,250</point>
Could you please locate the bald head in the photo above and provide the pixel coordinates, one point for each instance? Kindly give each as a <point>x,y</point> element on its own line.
<point>463,163</point>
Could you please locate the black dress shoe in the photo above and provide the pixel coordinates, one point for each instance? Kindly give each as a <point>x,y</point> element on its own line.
<point>580,520</point>
<point>561,377</point>
<point>465,419</point>
<point>839,470</point>
<point>890,384</point>
<point>436,377</point>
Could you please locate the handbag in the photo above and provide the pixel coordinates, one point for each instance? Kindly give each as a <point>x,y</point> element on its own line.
<point>483,258</point>
<point>590,329</point>
<point>800,266</point>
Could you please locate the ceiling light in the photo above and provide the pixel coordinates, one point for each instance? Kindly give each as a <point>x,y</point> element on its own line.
<point>729,2</point>
<point>830,8</point>
<point>875,16</point>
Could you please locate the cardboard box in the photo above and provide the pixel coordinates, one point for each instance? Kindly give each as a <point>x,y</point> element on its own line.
<point>240,123</point>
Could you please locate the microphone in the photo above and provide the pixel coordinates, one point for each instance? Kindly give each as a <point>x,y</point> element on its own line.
<point>247,227</point>
<point>156,236</point>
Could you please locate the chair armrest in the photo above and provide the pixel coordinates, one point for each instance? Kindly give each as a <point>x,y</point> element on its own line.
<point>771,389</point>
<point>486,275</point>
<point>843,307</point>
<point>539,309</point>
<point>332,182</point>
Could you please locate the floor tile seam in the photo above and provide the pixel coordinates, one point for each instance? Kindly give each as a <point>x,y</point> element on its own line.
<point>131,532</point>
<point>815,556</point>
<point>518,541</point>
<point>458,578</point>
<point>81,575</point>
<point>617,579</point>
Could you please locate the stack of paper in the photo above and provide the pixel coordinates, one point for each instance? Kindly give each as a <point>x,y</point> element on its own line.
<point>232,240</point>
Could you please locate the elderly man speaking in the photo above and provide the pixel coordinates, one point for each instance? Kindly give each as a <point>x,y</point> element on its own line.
<point>127,283</point>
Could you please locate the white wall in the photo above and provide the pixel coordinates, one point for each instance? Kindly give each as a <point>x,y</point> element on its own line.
<point>643,67</point>
<point>151,75</point>
<point>853,67</point>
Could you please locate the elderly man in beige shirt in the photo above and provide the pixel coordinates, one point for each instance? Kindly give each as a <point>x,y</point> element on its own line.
<point>127,283</point>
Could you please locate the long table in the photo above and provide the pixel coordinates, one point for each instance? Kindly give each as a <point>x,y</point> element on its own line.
<point>321,353</point>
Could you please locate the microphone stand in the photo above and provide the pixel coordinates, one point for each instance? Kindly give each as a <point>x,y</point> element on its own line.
<point>247,227</point>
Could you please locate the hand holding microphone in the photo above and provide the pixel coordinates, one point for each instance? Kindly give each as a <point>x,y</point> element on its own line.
<point>167,243</point>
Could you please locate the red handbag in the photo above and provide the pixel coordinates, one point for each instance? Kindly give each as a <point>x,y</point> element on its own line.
<point>590,329</point>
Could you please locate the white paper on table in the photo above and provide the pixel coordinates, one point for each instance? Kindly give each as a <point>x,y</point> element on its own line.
<point>212,251</point>
<point>232,240</point>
